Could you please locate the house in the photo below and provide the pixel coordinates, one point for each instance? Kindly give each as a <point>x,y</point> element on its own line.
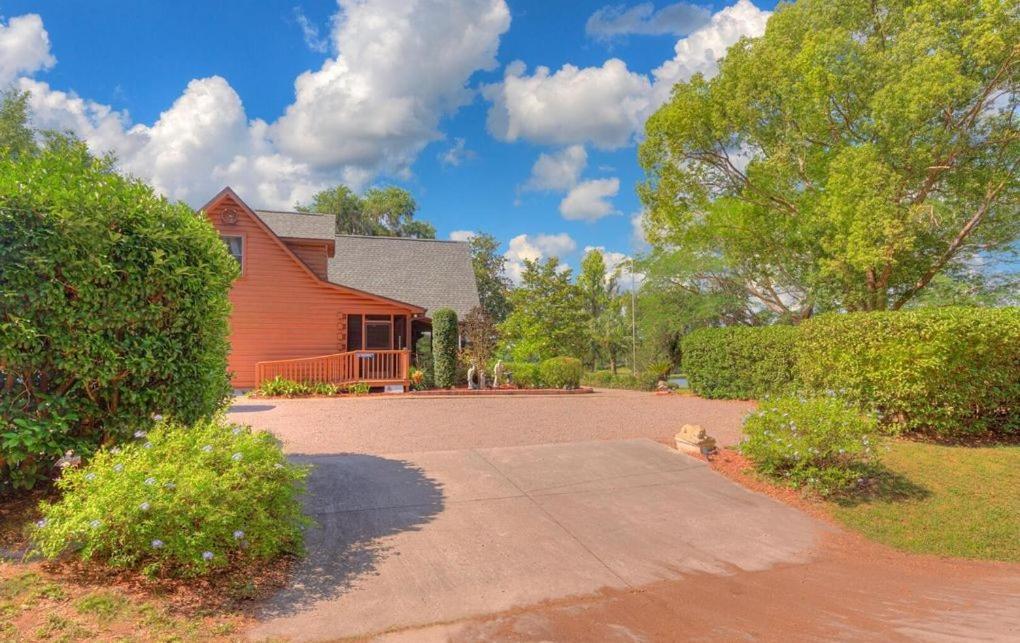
<point>312,305</point>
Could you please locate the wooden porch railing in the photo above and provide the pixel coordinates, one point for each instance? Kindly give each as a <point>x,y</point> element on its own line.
<point>371,367</point>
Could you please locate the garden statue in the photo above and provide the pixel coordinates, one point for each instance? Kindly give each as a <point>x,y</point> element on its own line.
<point>497,374</point>
<point>471,378</point>
<point>481,378</point>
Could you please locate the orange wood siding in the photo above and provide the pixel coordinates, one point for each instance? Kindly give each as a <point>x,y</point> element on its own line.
<point>280,310</point>
<point>313,253</point>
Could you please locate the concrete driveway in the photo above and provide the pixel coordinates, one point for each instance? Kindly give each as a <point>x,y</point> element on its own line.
<point>413,539</point>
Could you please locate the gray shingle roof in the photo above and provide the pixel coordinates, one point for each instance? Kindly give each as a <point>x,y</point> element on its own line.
<point>424,272</point>
<point>299,225</point>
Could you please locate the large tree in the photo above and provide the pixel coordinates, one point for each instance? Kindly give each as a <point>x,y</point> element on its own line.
<point>490,275</point>
<point>385,212</point>
<point>599,291</point>
<point>844,159</point>
<point>547,317</point>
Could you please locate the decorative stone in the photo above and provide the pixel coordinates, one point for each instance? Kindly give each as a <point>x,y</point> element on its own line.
<point>694,439</point>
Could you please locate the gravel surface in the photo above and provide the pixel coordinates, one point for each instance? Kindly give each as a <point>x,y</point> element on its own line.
<point>396,424</point>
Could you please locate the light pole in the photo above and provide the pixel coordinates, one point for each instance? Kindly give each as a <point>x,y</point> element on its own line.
<point>633,320</point>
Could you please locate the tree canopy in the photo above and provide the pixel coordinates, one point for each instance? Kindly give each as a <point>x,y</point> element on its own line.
<point>547,317</point>
<point>383,212</point>
<point>490,275</point>
<point>845,159</point>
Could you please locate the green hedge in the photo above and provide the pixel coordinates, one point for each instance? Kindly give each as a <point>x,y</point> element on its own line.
<point>645,381</point>
<point>561,372</point>
<point>444,347</point>
<point>739,362</point>
<point>113,307</point>
<point>945,371</point>
<point>524,374</point>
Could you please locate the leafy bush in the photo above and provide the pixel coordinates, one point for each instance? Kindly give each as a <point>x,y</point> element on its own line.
<point>417,377</point>
<point>114,307</point>
<point>560,372</point>
<point>944,371</point>
<point>423,357</point>
<point>181,501</point>
<point>645,381</point>
<point>740,362</point>
<point>358,388</point>
<point>444,347</point>
<point>524,374</point>
<point>280,387</point>
<point>819,442</point>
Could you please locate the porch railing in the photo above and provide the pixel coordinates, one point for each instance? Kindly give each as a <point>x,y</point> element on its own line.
<point>369,366</point>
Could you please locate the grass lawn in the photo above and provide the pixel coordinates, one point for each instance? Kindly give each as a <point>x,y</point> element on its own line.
<point>944,500</point>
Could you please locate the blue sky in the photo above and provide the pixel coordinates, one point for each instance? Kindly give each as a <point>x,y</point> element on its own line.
<point>425,94</point>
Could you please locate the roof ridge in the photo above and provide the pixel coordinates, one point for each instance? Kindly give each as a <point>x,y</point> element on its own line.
<point>311,214</point>
<point>393,238</point>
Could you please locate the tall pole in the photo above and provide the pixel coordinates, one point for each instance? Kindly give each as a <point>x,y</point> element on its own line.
<point>633,320</point>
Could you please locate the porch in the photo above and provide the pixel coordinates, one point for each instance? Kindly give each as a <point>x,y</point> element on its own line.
<point>371,367</point>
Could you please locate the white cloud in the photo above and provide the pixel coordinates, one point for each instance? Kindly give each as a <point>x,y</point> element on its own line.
<point>637,232</point>
<point>369,110</point>
<point>676,19</point>
<point>401,65</point>
<point>310,31</point>
<point>535,248</point>
<point>24,47</point>
<point>701,51</point>
<point>607,105</point>
<point>589,200</point>
<point>456,153</point>
<point>620,264</point>
<point>559,171</point>
<point>463,235</point>
<point>598,105</point>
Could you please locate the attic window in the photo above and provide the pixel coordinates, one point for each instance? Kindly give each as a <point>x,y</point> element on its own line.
<point>235,245</point>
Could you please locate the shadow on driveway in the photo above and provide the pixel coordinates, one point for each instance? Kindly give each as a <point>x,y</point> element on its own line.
<point>356,501</point>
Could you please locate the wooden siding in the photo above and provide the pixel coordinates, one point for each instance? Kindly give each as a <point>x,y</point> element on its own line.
<point>315,254</point>
<point>281,310</point>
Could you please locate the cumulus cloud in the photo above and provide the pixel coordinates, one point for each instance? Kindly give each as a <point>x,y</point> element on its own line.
<point>618,264</point>
<point>399,69</point>
<point>605,106</point>
<point>456,153</point>
<point>535,248</point>
<point>24,47</point>
<point>589,200</point>
<point>559,171</point>
<point>598,105</point>
<point>614,21</point>
<point>463,235</point>
<point>369,110</point>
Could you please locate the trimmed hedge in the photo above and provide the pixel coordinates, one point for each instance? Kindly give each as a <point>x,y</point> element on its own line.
<point>561,372</point>
<point>523,374</point>
<point>739,362</point>
<point>946,371</point>
<point>605,379</point>
<point>444,347</point>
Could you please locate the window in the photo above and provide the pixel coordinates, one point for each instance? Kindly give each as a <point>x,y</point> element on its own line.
<point>235,245</point>
<point>354,332</point>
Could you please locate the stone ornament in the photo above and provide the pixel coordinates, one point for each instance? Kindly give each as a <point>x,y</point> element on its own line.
<point>694,439</point>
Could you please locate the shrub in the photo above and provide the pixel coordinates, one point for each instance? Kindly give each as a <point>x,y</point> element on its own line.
<point>417,377</point>
<point>423,357</point>
<point>820,442</point>
<point>114,307</point>
<point>739,362</point>
<point>943,371</point>
<point>561,372</point>
<point>524,374</point>
<point>358,388</point>
<point>444,347</point>
<point>181,501</point>
<point>280,387</point>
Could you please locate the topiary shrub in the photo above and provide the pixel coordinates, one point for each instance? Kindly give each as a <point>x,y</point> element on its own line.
<point>181,501</point>
<point>943,371</point>
<point>113,306</point>
<point>444,347</point>
<point>739,362</point>
<point>423,358</point>
<point>561,372</point>
<point>524,374</point>
<point>821,443</point>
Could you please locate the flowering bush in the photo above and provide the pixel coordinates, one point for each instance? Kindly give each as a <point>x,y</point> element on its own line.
<point>180,501</point>
<point>818,442</point>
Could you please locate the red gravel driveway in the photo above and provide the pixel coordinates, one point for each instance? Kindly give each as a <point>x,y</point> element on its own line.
<point>377,424</point>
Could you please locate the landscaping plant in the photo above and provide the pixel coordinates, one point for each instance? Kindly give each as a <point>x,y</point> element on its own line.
<point>178,501</point>
<point>114,307</point>
<point>524,374</point>
<point>949,371</point>
<point>820,443</point>
<point>739,362</point>
<point>423,357</point>
<point>561,372</point>
<point>444,347</point>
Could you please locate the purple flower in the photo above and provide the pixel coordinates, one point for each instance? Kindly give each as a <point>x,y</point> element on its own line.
<point>150,481</point>
<point>118,467</point>
<point>140,434</point>
<point>40,523</point>
<point>96,524</point>
<point>238,535</point>
<point>144,506</point>
<point>207,555</point>
<point>157,544</point>
<point>90,476</point>
<point>236,457</point>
